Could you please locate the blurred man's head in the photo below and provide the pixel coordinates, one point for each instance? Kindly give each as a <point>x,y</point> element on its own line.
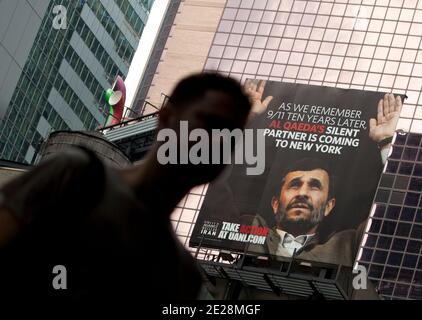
<point>304,198</point>
<point>206,101</point>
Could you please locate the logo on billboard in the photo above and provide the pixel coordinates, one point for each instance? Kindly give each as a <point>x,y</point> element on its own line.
<point>209,228</point>
<point>243,233</point>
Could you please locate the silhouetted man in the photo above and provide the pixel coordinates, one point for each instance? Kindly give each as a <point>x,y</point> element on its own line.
<point>110,228</point>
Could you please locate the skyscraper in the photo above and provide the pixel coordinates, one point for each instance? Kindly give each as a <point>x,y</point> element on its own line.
<point>391,247</point>
<point>57,58</point>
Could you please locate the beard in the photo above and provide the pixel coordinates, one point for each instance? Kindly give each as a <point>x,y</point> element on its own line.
<point>301,225</point>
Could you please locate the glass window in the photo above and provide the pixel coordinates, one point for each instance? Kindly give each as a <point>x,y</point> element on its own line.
<point>395,258</point>
<point>264,69</point>
<point>251,28</point>
<point>371,240</point>
<point>405,275</point>
<point>290,31</point>
<point>375,271</point>
<point>401,182</point>
<point>389,227</point>
<point>380,256</point>
<point>269,17</point>
<point>251,67</point>
<point>230,52</point>
<point>238,66</point>
<point>414,246</point>
<point>416,184</point>
<point>375,226</point>
<point>384,243</point>
<point>338,9</point>
<point>264,29</point>
<point>317,33</point>
<point>260,42</point>
<point>243,15</point>
<point>239,26</point>
<point>396,152</point>
<point>256,54</point>
<point>412,198</point>
<point>269,56</point>
<point>275,4</point>
<point>243,53</point>
<point>379,211</point>
<point>282,57</point>
<point>291,71</point>
<point>234,40</point>
<point>367,254</point>
<point>408,214</point>
<point>229,14</point>
<point>278,70</point>
<point>247,41</point>
<point>308,20</point>
<point>221,38</point>
<point>413,140</point>
<point>403,229</point>
<point>300,45</point>
<point>416,291</point>
<point>216,51</point>
<point>277,30</point>
<point>225,65</point>
<point>256,15</point>
<point>399,245</point>
<point>416,232</point>
<point>225,26</point>
<point>417,170</point>
<point>326,48</point>
<point>299,6</point>
<point>410,260</point>
<point>385,287</point>
<point>382,195</point>
<point>397,197</point>
<point>295,58</point>
<point>246,3</point>
<point>281,17</point>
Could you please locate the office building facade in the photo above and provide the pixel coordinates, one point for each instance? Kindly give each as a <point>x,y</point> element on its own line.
<point>57,59</point>
<point>391,247</point>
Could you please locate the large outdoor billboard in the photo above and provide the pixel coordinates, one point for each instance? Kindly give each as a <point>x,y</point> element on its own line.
<point>323,160</point>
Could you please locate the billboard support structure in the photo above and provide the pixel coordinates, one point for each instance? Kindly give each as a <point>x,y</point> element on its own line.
<point>290,276</point>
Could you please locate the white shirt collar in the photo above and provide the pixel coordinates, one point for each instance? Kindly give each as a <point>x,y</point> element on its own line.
<point>289,244</point>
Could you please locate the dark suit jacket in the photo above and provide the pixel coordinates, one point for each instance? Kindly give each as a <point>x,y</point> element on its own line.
<point>340,248</point>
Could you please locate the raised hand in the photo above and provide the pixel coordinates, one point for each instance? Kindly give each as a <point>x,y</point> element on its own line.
<point>387,117</point>
<point>254,91</point>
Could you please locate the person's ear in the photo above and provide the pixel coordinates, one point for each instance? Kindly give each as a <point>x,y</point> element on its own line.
<point>330,206</point>
<point>274,204</point>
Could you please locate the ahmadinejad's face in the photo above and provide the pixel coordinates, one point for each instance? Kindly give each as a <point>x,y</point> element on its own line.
<point>303,201</point>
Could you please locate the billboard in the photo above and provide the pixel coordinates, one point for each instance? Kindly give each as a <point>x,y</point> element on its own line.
<point>324,151</point>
